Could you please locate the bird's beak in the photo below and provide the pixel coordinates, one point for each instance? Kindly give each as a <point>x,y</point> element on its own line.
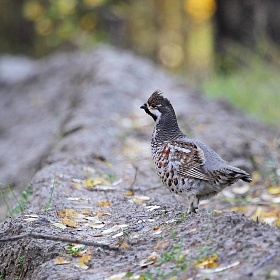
<point>144,106</point>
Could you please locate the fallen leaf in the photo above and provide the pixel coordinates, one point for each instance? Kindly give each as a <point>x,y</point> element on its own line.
<point>68,213</point>
<point>171,221</point>
<point>118,235</point>
<point>157,230</point>
<point>83,260</point>
<point>101,214</point>
<point>124,245</point>
<point>274,190</point>
<point>103,203</point>
<point>152,207</point>
<point>161,245</point>
<point>150,260</point>
<point>77,180</point>
<point>117,182</point>
<point>96,225</point>
<point>238,208</point>
<point>113,229</point>
<point>139,199</point>
<point>89,169</point>
<point>221,268</point>
<point>77,183</point>
<point>208,262</point>
<point>93,219</point>
<point>74,198</point>
<point>30,219</point>
<point>61,260</point>
<point>69,222</point>
<point>119,276</point>
<point>93,182</point>
<point>129,193</point>
<point>58,225</point>
<point>86,212</point>
<point>31,215</point>
<point>192,229</point>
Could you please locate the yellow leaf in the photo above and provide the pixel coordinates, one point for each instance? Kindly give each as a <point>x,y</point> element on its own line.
<point>274,190</point>
<point>150,260</point>
<point>124,245</point>
<point>139,199</point>
<point>76,185</point>
<point>102,214</point>
<point>103,203</point>
<point>129,193</point>
<point>71,213</point>
<point>93,182</point>
<point>83,260</point>
<point>61,260</point>
<point>208,262</point>
<point>69,222</point>
<point>238,208</point>
<point>86,212</point>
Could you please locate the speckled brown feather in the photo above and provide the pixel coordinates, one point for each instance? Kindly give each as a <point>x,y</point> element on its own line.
<point>187,167</point>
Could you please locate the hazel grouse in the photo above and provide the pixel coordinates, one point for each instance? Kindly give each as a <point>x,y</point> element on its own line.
<point>187,167</point>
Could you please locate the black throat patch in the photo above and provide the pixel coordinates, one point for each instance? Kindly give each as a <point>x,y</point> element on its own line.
<point>150,114</point>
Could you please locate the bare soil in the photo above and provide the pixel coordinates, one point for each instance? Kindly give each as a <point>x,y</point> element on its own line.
<point>72,119</point>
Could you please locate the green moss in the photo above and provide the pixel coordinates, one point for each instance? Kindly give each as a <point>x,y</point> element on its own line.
<point>254,89</point>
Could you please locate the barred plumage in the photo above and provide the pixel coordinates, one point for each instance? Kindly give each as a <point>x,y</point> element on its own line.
<point>187,167</point>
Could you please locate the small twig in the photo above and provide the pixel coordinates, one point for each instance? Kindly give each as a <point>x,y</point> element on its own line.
<point>261,263</point>
<point>60,239</point>
<point>48,205</point>
<point>134,179</point>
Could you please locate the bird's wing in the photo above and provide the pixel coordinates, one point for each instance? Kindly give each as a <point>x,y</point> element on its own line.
<point>189,159</point>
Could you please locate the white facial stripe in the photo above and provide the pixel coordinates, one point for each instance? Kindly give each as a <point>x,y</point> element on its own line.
<point>154,111</point>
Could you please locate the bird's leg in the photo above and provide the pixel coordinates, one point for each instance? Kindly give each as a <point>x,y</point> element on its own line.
<point>193,206</point>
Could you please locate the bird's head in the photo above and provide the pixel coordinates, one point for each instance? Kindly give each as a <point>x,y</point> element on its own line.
<point>157,105</point>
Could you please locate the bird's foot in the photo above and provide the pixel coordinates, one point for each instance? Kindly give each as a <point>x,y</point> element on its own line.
<point>193,207</point>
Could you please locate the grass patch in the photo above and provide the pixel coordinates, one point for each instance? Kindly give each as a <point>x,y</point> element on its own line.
<point>20,203</point>
<point>170,263</point>
<point>49,203</point>
<point>253,88</point>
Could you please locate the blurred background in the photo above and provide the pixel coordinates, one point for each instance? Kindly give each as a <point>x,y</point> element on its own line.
<point>229,49</point>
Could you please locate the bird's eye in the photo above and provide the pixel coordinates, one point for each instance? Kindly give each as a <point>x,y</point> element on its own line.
<point>153,104</point>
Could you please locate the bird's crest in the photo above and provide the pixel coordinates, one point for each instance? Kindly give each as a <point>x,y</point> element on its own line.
<point>157,99</point>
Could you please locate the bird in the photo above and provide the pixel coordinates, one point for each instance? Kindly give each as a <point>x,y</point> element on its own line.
<point>189,168</point>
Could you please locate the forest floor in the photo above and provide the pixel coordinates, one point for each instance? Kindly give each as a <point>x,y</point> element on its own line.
<point>73,132</point>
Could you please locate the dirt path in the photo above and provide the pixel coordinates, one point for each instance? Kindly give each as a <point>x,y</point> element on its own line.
<point>96,179</point>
